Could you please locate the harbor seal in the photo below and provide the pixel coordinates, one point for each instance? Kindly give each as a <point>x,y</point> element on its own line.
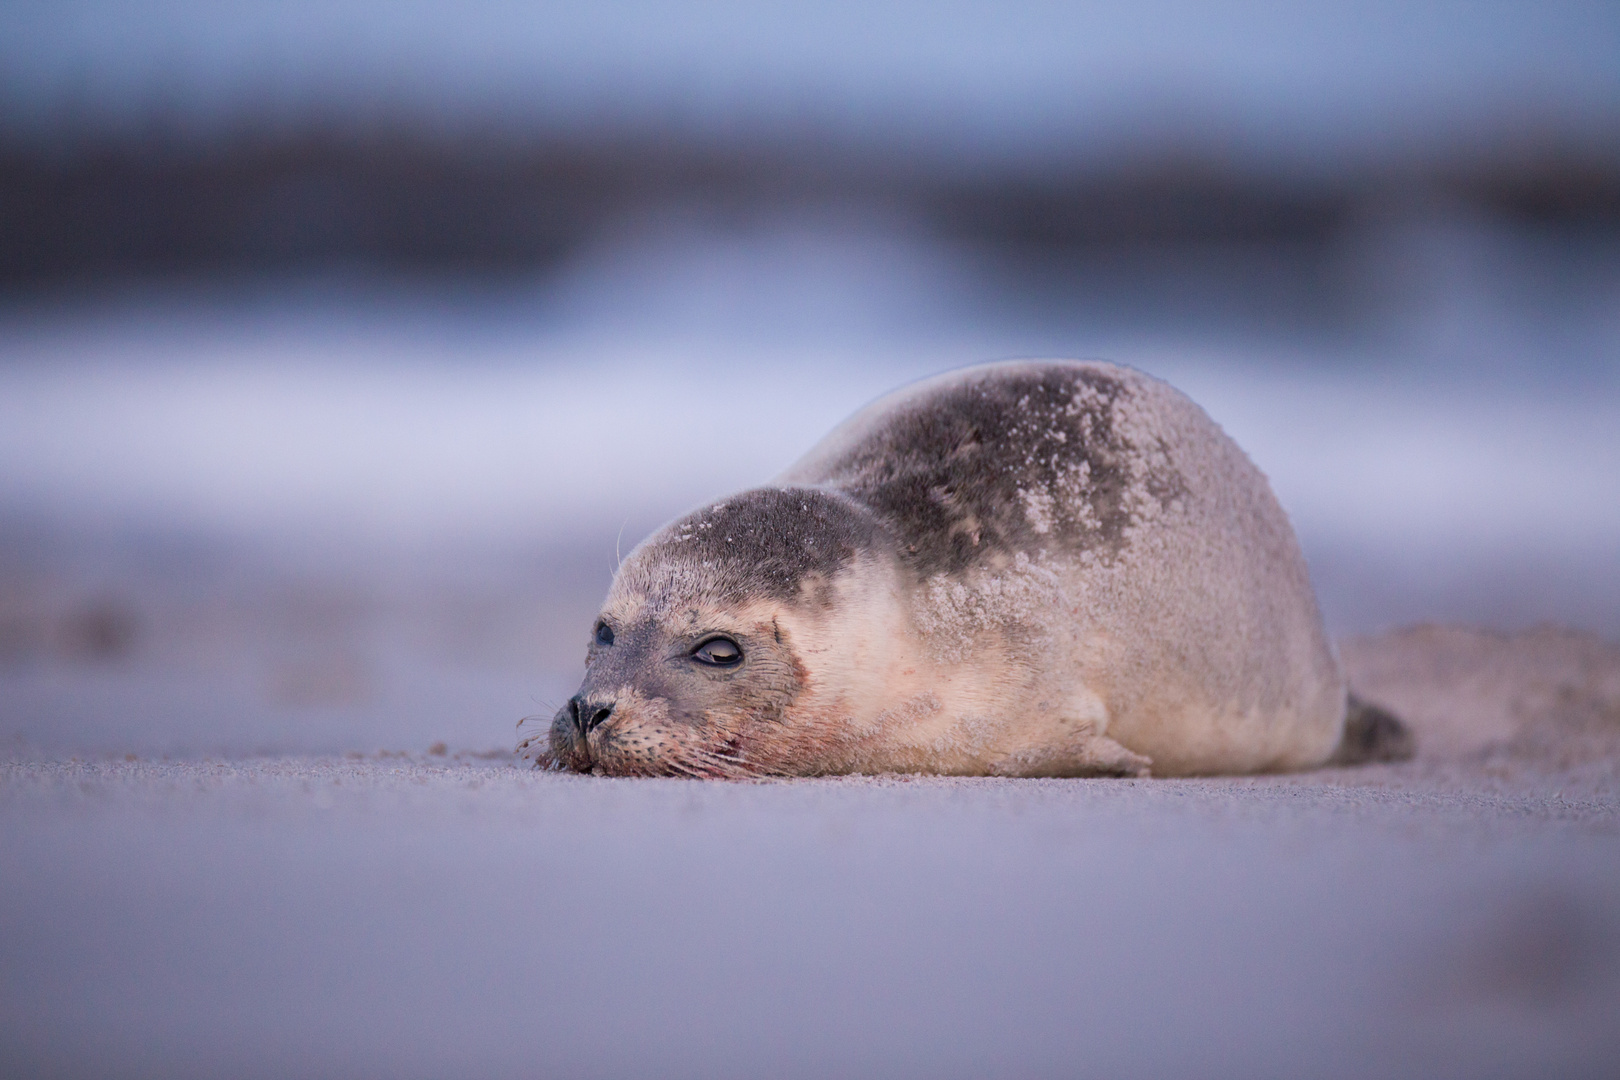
<point>1016,569</point>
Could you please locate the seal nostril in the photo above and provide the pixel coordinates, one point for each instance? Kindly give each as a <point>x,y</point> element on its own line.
<point>592,715</point>
<point>585,715</point>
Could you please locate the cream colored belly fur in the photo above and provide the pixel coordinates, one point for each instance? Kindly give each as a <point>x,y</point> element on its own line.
<point>994,677</point>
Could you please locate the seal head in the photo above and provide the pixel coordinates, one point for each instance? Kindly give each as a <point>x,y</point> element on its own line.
<point>692,668</point>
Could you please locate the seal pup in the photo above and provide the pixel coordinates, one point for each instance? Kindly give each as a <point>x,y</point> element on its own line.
<point>1016,569</point>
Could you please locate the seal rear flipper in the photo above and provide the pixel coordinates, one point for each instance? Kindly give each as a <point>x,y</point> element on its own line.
<point>1086,756</point>
<point>1372,734</point>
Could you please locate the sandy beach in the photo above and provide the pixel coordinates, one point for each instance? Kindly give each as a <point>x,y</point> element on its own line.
<point>441,913</point>
<point>347,350</point>
<point>261,816</point>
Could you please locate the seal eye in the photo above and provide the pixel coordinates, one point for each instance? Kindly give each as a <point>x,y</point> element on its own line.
<point>718,652</point>
<point>604,634</point>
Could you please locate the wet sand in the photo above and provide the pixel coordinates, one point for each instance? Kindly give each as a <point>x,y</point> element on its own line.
<point>427,914</point>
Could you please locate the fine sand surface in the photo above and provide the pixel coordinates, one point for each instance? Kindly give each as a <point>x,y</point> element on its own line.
<point>431,915</point>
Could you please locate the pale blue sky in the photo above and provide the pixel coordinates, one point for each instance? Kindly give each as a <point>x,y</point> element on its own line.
<point>1009,72</point>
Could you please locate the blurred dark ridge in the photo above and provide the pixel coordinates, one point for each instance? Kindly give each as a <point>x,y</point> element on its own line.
<point>275,199</point>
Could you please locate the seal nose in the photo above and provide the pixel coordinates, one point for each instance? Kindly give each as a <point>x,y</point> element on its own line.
<point>588,714</point>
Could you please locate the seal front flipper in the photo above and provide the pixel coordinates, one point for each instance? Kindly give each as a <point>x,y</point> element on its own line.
<point>1085,754</point>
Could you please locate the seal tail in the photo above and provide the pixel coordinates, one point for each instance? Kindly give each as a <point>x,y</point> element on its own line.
<point>1372,734</point>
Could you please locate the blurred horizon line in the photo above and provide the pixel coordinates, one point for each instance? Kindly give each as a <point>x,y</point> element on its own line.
<point>271,193</point>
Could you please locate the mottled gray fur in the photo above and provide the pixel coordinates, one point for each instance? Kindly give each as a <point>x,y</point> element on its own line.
<point>953,471</point>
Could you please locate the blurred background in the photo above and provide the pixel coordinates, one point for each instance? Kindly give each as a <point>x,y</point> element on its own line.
<point>343,344</point>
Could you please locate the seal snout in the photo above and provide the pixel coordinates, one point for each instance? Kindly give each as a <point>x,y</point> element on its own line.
<point>570,731</point>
